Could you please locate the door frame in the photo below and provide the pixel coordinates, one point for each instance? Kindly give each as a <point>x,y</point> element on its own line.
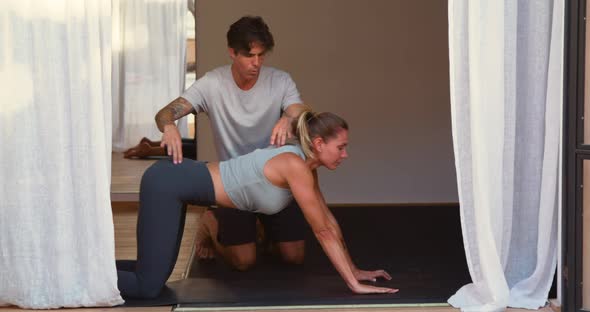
<point>574,152</point>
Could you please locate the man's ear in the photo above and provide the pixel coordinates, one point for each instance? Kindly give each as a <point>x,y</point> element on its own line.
<point>317,143</point>
<point>232,52</point>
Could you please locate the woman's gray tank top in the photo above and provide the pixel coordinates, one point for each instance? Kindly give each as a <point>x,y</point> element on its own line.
<point>244,181</point>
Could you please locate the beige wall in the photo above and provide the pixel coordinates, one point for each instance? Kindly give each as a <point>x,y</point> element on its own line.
<point>380,64</point>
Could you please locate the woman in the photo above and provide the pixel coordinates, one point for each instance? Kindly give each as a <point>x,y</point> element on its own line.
<point>267,179</point>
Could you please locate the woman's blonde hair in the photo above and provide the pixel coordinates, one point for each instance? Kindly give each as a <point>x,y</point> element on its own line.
<point>311,125</point>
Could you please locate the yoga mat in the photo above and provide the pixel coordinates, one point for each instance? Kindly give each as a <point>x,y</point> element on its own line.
<point>420,246</point>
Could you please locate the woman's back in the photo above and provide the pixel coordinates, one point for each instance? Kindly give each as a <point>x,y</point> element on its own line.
<point>246,185</point>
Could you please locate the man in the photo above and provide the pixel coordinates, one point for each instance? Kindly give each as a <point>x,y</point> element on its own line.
<point>250,106</point>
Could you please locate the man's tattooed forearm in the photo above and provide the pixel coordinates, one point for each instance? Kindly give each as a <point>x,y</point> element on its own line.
<point>178,109</point>
<point>172,112</point>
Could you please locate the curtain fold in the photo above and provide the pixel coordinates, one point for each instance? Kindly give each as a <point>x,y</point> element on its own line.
<point>56,230</point>
<point>149,50</point>
<point>506,63</point>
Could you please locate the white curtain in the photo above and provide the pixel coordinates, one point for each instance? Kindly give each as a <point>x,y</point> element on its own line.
<point>506,60</point>
<point>149,47</point>
<point>56,229</point>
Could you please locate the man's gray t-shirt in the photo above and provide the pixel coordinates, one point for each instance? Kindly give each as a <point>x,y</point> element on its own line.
<point>242,121</point>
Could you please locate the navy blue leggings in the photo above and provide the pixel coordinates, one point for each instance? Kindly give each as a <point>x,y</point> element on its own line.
<point>164,192</point>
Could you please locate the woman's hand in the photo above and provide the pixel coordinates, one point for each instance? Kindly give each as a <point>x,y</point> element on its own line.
<point>362,275</point>
<point>371,276</point>
<point>368,289</point>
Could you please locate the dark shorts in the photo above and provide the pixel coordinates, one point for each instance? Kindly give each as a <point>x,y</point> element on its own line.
<point>237,227</point>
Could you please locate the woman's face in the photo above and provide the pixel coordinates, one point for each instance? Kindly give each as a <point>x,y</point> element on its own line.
<point>332,152</point>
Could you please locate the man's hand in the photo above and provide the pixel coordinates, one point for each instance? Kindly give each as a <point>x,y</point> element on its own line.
<point>165,121</point>
<point>173,142</point>
<point>281,132</point>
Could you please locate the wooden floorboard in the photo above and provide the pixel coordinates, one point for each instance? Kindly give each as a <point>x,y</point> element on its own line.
<point>125,177</point>
<point>166,309</point>
<point>143,309</point>
<point>409,309</point>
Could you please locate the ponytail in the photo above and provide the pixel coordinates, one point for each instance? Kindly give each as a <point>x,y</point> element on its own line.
<point>302,131</point>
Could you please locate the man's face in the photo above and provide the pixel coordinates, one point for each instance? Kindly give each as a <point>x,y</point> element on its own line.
<point>247,64</point>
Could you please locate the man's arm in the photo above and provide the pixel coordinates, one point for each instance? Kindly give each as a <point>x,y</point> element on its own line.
<point>172,112</point>
<point>294,110</point>
<point>282,130</point>
<point>165,119</point>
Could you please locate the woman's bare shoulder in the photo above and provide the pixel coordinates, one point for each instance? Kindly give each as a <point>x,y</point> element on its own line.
<point>291,159</point>
<point>290,163</point>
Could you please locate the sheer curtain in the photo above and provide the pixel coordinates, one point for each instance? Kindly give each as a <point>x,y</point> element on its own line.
<point>149,47</point>
<point>506,60</point>
<point>56,229</point>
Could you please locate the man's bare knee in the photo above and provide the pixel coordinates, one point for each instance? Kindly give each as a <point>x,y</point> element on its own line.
<point>292,252</point>
<point>296,258</point>
<point>243,262</point>
<point>241,257</point>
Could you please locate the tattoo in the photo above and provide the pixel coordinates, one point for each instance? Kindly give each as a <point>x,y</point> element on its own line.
<point>172,112</point>
<point>176,109</point>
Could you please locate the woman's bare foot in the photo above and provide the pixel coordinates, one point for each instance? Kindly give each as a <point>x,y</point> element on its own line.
<point>204,248</point>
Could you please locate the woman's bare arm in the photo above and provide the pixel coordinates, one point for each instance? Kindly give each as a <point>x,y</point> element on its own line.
<point>302,184</point>
<point>360,275</point>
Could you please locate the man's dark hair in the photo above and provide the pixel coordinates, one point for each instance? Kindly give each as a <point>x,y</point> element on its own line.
<point>248,30</point>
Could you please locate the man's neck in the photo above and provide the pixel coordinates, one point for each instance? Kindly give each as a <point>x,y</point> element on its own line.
<point>242,82</point>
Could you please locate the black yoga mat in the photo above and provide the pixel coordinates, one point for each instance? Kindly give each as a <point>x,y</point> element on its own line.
<point>420,246</point>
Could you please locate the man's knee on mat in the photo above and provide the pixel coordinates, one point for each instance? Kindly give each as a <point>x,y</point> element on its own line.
<point>241,257</point>
<point>291,252</point>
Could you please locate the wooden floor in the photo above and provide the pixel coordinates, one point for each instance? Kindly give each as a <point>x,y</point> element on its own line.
<point>166,309</point>
<point>125,177</point>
